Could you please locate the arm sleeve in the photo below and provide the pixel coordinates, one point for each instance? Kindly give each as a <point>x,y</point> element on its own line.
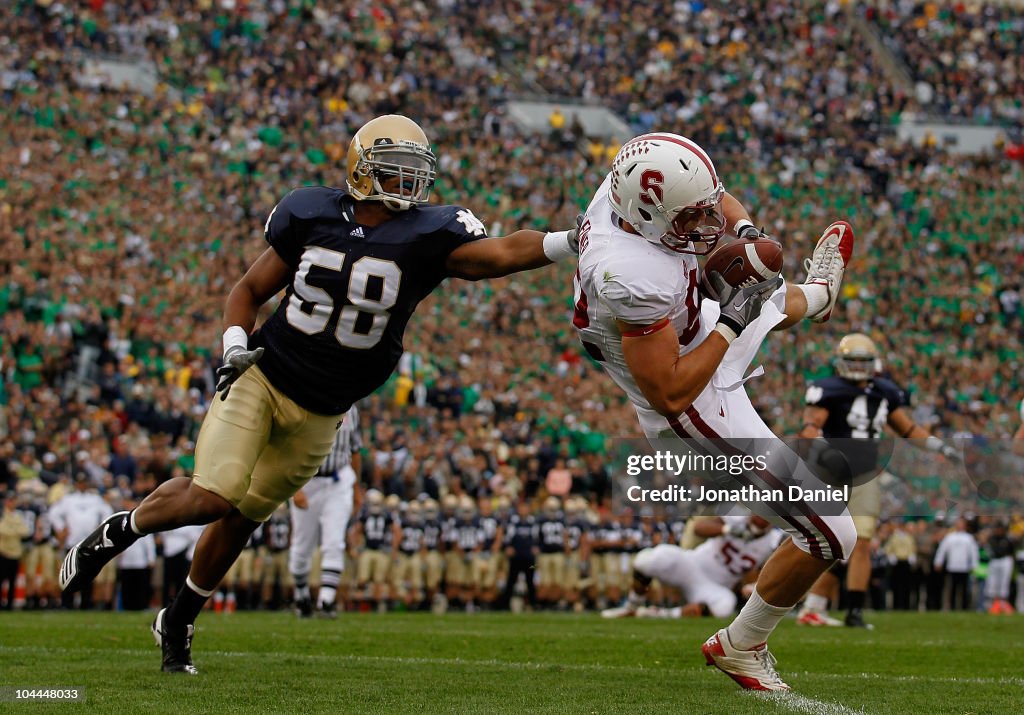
<point>815,395</point>
<point>634,301</point>
<point>462,228</point>
<point>280,230</point>
<point>940,554</point>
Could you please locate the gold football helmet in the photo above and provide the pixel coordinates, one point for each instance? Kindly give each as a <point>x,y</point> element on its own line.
<point>391,147</point>
<point>857,357</point>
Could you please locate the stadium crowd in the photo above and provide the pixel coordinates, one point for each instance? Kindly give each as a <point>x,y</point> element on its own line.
<point>127,218</point>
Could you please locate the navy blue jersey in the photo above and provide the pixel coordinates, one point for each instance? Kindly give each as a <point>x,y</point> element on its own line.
<point>376,530</point>
<point>577,528</point>
<point>521,535</point>
<point>337,335</point>
<point>412,539</point>
<point>857,415</point>
<point>552,534</point>
<point>431,535</point>
<point>488,531</point>
<point>279,532</point>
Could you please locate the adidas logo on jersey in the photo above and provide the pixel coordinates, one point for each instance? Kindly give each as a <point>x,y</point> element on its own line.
<point>358,232</point>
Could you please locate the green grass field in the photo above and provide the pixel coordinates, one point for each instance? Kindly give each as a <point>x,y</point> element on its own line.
<point>491,663</point>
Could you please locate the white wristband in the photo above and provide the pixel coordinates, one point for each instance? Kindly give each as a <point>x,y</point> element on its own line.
<point>556,246</point>
<point>235,337</point>
<point>933,443</point>
<point>740,225</point>
<point>726,332</point>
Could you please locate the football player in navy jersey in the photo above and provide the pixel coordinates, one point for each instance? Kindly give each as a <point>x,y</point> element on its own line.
<point>851,410</point>
<point>354,263</point>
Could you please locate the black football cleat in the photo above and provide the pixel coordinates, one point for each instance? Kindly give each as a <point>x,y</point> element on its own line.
<point>176,647</point>
<point>304,607</point>
<point>856,620</point>
<point>327,610</point>
<point>88,557</point>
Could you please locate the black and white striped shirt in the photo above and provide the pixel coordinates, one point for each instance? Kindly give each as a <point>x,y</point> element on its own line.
<point>346,442</point>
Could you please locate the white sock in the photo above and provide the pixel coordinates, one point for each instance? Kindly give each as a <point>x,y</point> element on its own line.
<point>635,599</point>
<point>327,594</point>
<point>755,622</point>
<point>816,295</point>
<point>131,523</point>
<point>816,603</point>
<point>301,592</point>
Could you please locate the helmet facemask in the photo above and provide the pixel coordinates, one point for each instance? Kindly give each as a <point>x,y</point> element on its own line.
<point>410,167</point>
<point>696,229</point>
<point>857,358</point>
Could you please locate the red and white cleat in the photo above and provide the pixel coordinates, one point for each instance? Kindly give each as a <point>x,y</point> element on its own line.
<point>814,618</point>
<point>828,263</point>
<point>752,669</point>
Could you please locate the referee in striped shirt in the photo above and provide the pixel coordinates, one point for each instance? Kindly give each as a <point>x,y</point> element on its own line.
<point>320,514</point>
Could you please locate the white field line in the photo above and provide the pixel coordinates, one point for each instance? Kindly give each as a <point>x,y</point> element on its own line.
<point>810,706</point>
<point>511,664</point>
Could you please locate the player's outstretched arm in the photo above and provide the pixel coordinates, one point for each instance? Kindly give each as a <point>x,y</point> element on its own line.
<point>503,255</point>
<point>903,424</point>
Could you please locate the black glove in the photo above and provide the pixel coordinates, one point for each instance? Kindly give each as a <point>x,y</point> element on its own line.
<point>236,361</point>
<point>740,306</point>
<point>749,233</point>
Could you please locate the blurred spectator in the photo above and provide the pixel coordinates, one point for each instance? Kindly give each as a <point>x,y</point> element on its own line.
<point>958,557</point>
<point>13,529</point>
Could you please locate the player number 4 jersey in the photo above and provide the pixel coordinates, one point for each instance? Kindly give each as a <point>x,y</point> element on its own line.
<point>624,277</point>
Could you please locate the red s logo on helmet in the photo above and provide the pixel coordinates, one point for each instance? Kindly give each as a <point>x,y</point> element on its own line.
<point>651,181</point>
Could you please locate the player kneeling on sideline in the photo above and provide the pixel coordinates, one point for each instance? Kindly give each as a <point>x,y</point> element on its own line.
<point>708,575</point>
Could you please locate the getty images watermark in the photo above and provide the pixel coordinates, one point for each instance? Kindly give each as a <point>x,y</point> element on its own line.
<point>669,462</point>
<point>902,478</point>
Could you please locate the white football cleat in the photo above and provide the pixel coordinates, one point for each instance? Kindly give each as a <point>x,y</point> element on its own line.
<point>627,611</point>
<point>816,618</point>
<point>752,669</point>
<point>828,263</point>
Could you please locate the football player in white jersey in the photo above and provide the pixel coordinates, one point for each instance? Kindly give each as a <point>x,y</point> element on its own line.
<point>639,312</point>
<point>707,575</point>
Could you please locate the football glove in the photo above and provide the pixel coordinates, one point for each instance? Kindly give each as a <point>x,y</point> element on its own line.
<point>236,361</point>
<point>573,235</point>
<point>741,306</point>
<point>749,233</point>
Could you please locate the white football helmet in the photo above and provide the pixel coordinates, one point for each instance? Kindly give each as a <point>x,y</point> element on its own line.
<point>666,187</point>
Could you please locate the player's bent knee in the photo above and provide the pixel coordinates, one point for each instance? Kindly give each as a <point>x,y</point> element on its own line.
<point>206,506</point>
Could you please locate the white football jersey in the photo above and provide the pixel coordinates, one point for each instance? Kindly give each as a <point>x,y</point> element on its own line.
<point>623,276</point>
<point>724,559</point>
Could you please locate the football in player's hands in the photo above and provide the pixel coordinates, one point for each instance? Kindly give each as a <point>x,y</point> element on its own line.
<point>742,263</point>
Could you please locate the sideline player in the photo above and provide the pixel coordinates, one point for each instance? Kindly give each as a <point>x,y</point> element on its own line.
<point>851,410</point>
<point>355,262</point>
<point>320,514</point>
<point>708,575</point>
<point>638,313</point>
